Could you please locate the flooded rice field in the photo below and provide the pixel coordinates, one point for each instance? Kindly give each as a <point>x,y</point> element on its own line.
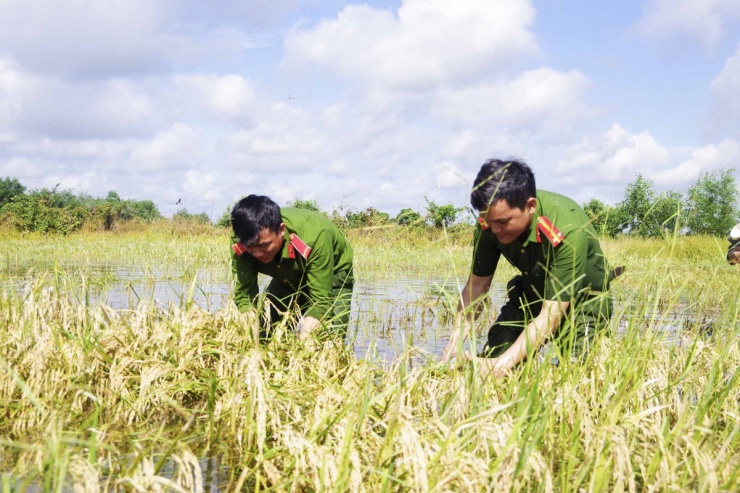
<point>387,317</point>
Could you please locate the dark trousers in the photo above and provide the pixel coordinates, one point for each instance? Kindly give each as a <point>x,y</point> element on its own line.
<point>587,317</point>
<point>286,302</point>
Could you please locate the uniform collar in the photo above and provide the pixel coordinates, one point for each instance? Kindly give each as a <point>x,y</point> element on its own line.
<point>531,235</point>
<point>285,253</point>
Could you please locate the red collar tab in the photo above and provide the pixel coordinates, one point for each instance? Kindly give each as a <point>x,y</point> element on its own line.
<point>239,249</point>
<point>544,225</point>
<point>483,223</point>
<point>297,245</point>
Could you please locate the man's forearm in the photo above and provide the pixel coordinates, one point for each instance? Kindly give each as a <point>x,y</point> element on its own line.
<point>531,338</point>
<point>472,293</point>
<point>461,321</point>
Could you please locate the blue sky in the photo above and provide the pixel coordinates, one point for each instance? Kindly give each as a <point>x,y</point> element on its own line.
<point>354,105</point>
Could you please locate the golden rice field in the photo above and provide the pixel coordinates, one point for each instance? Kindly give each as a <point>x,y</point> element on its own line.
<point>176,397</point>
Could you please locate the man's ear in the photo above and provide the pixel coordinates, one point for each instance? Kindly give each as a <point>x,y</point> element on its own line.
<point>281,229</point>
<point>531,205</point>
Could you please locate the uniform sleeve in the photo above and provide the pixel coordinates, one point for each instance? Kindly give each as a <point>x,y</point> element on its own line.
<point>567,269</point>
<point>246,289</point>
<point>485,253</point>
<point>319,276</point>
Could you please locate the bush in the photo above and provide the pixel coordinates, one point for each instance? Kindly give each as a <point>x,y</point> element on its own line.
<point>37,212</point>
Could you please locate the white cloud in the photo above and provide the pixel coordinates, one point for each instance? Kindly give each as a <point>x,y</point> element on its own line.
<point>711,157</point>
<point>543,99</point>
<point>15,90</point>
<point>616,156</point>
<point>88,40</point>
<point>703,21</point>
<point>200,186</point>
<point>55,108</point>
<point>21,168</point>
<point>229,97</point>
<point>82,37</point>
<point>177,148</point>
<point>725,88</point>
<point>284,139</point>
<point>83,182</point>
<point>426,42</point>
<point>257,12</point>
<point>449,175</point>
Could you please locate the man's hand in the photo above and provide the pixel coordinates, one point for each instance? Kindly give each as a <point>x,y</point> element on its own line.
<point>306,326</point>
<point>473,292</point>
<point>489,367</point>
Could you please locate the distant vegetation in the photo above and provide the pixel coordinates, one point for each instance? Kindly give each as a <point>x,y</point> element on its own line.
<point>710,207</point>
<point>54,211</point>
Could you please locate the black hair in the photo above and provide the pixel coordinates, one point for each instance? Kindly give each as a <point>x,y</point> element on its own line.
<point>251,215</point>
<point>512,181</point>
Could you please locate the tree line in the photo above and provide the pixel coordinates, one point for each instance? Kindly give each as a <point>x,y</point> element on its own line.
<point>709,207</point>
<point>62,211</point>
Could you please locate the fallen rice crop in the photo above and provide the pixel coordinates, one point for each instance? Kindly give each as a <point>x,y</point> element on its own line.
<point>178,398</point>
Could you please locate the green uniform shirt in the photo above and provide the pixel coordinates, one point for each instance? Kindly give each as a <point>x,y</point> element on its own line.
<point>571,271</point>
<point>328,267</point>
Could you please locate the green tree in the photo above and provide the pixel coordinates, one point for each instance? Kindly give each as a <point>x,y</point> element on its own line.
<point>311,205</point>
<point>605,218</point>
<point>9,189</point>
<point>665,215</point>
<point>113,196</point>
<point>409,217</point>
<point>143,209</point>
<point>365,219</point>
<point>632,211</point>
<point>184,215</point>
<point>711,206</point>
<point>38,212</point>
<point>442,215</point>
<point>225,220</point>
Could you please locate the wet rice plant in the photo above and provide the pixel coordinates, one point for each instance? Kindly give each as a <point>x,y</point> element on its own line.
<point>173,396</point>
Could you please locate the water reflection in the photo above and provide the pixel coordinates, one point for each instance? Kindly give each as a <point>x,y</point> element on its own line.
<point>388,317</point>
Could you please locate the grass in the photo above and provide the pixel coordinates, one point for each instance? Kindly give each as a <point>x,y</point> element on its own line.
<point>179,398</point>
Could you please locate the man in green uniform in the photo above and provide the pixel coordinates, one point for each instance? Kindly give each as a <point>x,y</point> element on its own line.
<point>308,258</point>
<point>562,292</point>
<point>733,251</point>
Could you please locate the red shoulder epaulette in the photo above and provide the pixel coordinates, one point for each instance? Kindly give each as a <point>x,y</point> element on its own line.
<point>483,223</point>
<point>297,245</point>
<point>544,225</point>
<point>238,248</point>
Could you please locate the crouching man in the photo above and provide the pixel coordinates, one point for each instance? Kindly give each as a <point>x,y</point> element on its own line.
<point>562,292</point>
<point>308,259</point>
<point>733,251</point>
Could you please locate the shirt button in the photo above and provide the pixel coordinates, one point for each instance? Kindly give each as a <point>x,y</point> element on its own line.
<point>522,250</point>
<point>526,273</point>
